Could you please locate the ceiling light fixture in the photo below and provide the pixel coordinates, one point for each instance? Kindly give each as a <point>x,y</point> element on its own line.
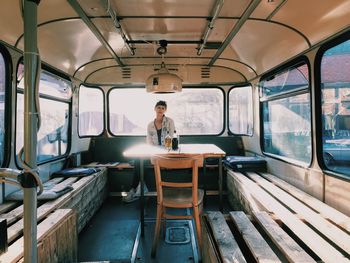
<point>163,81</point>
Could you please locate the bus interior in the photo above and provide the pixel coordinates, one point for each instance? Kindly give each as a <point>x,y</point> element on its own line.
<point>265,80</point>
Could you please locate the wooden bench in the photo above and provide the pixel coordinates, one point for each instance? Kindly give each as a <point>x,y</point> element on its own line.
<point>321,230</point>
<point>87,196</point>
<point>235,238</point>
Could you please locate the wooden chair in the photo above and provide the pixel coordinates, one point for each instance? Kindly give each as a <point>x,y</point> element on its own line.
<point>177,194</point>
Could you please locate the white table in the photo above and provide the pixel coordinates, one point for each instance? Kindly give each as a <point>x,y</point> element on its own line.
<point>146,151</point>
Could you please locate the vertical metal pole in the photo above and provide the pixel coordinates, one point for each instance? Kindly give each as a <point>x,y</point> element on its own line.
<point>142,199</point>
<point>31,66</point>
<point>205,180</point>
<point>220,184</point>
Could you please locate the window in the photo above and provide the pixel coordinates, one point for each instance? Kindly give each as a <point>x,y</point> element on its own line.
<point>286,116</point>
<point>2,107</point>
<point>90,111</point>
<point>54,100</point>
<point>240,115</point>
<point>335,101</point>
<point>196,111</point>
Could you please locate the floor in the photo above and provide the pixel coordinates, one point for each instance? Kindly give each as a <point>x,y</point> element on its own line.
<point>113,235</point>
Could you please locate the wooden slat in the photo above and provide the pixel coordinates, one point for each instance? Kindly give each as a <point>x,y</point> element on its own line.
<point>17,213</point>
<point>332,232</point>
<point>17,229</point>
<point>246,200</point>
<point>319,246</point>
<point>88,198</point>
<point>15,251</point>
<point>325,210</point>
<point>256,243</point>
<point>7,206</point>
<point>290,249</point>
<point>208,249</point>
<point>60,244</point>
<point>227,245</point>
<point>13,215</point>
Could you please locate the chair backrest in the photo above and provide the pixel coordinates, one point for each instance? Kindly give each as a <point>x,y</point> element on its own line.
<point>177,161</point>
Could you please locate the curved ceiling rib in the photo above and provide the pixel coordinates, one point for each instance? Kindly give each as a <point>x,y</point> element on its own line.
<point>46,23</point>
<point>178,42</point>
<point>234,60</point>
<point>284,25</point>
<point>240,62</point>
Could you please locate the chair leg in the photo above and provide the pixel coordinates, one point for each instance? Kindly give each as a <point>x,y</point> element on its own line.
<point>156,230</point>
<point>163,222</point>
<point>198,226</point>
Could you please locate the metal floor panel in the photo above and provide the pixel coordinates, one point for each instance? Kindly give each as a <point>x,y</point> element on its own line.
<point>113,235</point>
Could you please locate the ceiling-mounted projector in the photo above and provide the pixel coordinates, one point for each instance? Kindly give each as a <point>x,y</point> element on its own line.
<point>163,82</point>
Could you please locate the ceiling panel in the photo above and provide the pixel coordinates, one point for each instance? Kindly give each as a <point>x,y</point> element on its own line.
<point>234,8</point>
<point>56,37</point>
<point>12,31</point>
<point>244,69</point>
<point>267,48</point>
<point>331,16</point>
<point>266,8</point>
<point>163,8</point>
<point>53,10</point>
<point>169,29</point>
<point>222,28</point>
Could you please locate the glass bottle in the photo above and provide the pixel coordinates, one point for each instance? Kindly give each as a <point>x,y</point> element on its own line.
<point>167,141</point>
<point>175,141</point>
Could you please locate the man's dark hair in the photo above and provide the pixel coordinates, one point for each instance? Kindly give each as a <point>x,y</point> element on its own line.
<point>161,103</point>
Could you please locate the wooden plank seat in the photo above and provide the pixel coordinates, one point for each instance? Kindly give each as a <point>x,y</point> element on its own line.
<point>57,240</point>
<point>323,239</point>
<point>325,210</point>
<point>84,199</point>
<point>236,238</point>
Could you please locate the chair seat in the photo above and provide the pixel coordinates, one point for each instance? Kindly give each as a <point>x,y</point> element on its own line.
<point>179,197</point>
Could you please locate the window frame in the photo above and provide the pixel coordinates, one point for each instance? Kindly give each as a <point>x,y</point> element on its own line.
<point>8,105</point>
<point>318,104</point>
<point>103,113</point>
<point>182,135</point>
<point>53,72</point>
<point>280,69</point>
<point>228,109</point>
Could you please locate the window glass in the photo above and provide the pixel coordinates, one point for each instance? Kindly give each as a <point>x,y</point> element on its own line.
<point>194,110</point>
<point>53,132</point>
<point>240,102</point>
<point>52,137</point>
<point>2,108</point>
<point>287,119</point>
<point>335,94</point>
<point>90,111</point>
<point>49,84</point>
<point>294,79</point>
<point>287,127</point>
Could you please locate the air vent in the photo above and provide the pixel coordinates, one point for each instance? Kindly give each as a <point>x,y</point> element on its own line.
<point>126,73</point>
<point>205,73</point>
